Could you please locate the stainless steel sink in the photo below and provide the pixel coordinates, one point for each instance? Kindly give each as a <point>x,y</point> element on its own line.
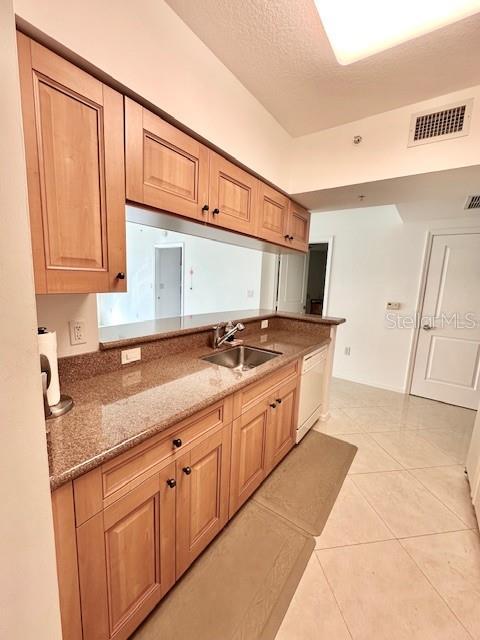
<point>241,358</point>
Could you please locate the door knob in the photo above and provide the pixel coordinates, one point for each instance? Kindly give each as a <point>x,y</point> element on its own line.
<point>290,237</point>
<point>172,483</point>
<point>187,470</point>
<point>279,401</point>
<point>427,327</point>
<point>120,275</point>
<point>177,442</point>
<point>273,405</point>
<point>216,211</point>
<point>205,208</point>
<point>286,236</point>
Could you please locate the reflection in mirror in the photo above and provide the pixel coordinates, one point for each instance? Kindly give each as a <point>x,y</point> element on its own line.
<point>174,272</point>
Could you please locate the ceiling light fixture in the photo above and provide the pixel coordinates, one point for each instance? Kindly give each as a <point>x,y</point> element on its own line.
<point>357,29</point>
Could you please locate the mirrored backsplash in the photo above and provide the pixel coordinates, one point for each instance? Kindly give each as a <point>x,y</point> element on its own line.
<point>173,274</point>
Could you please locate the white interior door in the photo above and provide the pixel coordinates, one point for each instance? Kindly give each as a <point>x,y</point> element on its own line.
<point>292,282</point>
<point>448,351</point>
<point>473,466</point>
<point>168,282</point>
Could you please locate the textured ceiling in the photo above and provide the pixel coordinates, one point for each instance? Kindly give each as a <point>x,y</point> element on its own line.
<point>279,51</point>
<point>440,194</point>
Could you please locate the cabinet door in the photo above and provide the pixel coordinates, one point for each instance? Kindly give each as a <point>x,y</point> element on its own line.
<point>73,126</point>
<point>233,196</point>
<point>272,222</point>
<point>249,460</point>
<point>166,168</point>
<point>126,558</point>
<point>281,434</point>
<point>298,226</point>
<point>203,476</point>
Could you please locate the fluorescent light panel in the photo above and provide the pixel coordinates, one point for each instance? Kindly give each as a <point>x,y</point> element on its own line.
<point>359,28</point>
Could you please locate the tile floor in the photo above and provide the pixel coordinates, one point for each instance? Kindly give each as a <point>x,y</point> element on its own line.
<point>399,557</point>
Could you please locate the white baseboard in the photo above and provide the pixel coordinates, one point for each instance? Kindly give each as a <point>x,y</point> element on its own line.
<point>369,383</point>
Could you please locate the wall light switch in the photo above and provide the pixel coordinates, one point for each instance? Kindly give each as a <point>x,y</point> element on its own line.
<point>78,334</point>
<point>347,351</point>
<point>131,355</point>
<point>264,324</point>
<point>393,306</point>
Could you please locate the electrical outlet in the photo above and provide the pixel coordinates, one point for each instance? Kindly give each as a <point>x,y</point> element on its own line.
<point>250,293</point>
<point>78,334</point>
<point>131,355</point>
<point>347,351</point>
<point>264,324</point>
<point>393,306</point>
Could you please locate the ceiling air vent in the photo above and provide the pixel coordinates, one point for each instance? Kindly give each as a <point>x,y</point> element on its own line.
<point>473,202</point>
<point>451,121</point>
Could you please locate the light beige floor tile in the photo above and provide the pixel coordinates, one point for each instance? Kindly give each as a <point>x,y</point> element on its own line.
<point>406,507</point>
<point>412,450</point>
<point>451,561</point>
<point>352,521</point>
<point>370,456</point>
<point>450,485</point>
<point>453,443</point>
<point>337,424</point>
<point>384,596</point>
<point>313,613</point>
<point>373,419</point>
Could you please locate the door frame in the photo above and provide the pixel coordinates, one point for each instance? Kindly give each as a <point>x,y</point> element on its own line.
<point>170,245</point>
<point>427,253</point>
<point>328,240</point>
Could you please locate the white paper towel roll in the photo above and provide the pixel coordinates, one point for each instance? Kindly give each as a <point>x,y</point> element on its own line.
<point>47,345</point>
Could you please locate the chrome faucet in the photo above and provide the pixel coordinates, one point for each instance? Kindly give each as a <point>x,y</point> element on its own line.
<point>229,330</point>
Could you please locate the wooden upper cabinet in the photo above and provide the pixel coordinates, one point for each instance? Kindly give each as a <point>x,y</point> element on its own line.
<point>298,226</point>
<point>272,215</point>
<point>126,558</point>
<point>73,129</point>
<point>203,477</point>
<point>165,168</point>
<point>233,196</point>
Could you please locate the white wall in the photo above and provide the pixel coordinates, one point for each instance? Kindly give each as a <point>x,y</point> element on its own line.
<point>376,258</point>
<point>223,276</point>
<point>329,158</point>
<point>29,608</point>
<point>147,47</point>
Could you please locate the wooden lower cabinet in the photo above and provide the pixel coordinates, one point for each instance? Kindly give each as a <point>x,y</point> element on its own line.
<point>283,424</point>
<point>134,525</point>
<point>249,449</point>
<point>203,476</point>
<point>126,558</point>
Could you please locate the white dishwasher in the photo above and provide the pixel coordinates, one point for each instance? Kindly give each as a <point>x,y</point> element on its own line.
<point>311,389</point>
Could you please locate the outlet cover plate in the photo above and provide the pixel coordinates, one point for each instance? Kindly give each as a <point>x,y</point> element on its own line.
<point>131,355</point>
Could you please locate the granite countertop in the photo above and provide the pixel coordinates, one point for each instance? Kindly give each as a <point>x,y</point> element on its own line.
<point>116,411</point>
<point>137,332</point>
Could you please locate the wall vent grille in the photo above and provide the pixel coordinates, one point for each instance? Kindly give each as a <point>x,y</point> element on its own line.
<point>473,202</point>
<point>451,121</point>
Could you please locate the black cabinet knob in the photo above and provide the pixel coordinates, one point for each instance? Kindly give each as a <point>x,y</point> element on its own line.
<point>273,405</point>
<point>177,442</point>
<point>216,211</point>
<point>287,237</point>
<point>187,470</point>
<point>172,483</point>
<point>291,238</point>
<point>120,275</point>
<point>205,208</point>
<point>279,401</point>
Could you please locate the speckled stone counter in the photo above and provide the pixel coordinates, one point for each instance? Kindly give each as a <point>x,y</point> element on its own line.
<point>117,410</point>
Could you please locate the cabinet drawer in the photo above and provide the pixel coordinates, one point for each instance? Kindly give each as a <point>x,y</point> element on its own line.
<point>102,486</point>
<point>246,398</point>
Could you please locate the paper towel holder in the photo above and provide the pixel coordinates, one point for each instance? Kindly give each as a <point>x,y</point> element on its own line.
<point>66,402</point>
